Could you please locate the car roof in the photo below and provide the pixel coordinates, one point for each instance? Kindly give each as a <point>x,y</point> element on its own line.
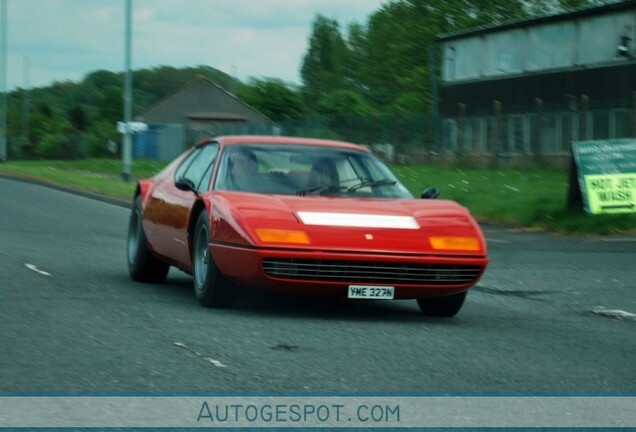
<point>276,140</point>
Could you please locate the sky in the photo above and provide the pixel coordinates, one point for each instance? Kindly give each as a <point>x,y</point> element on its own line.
<point>62,40</point>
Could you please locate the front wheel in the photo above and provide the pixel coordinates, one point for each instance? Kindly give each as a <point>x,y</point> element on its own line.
<point>447,306</point>
<point>142,265</point>
<point>210,287</point>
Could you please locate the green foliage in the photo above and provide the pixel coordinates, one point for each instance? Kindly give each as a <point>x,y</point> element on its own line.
<point>273,98</point>
<point>386,60</point>
<point>77,118</point>
<point>45,109</point>
<point>100,134</point>
<point>103,79</point>
<point>157,83</point>
<point>344,103</point>
<point>18,148</point>
<point>87,112</point>
<point>51,146</point>
<point>374,70</point>
<point>112,106</point>
<point>323,65</point>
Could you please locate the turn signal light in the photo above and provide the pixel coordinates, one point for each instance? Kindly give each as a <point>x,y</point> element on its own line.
<point>455,243</point>
<point>267,235</point>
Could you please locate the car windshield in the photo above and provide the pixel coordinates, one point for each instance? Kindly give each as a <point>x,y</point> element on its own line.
<point>306,171</point>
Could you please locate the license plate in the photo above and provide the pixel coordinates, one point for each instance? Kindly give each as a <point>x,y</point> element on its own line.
<point>370,292</point>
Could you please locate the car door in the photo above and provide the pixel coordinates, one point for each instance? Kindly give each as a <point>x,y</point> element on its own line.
<point>169,207</point>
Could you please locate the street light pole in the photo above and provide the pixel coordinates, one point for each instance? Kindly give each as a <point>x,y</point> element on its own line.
<point>127,150</point>
<point>25,98</point>
<point>3,80</point>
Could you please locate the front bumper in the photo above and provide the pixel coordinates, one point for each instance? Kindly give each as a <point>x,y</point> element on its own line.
<point>331,273</point>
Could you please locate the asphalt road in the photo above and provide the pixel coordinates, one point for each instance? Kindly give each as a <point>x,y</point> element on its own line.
<point>552,314</point>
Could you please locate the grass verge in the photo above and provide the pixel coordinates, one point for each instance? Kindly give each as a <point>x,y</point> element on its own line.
<point>528,198</point>
<point>94,175</point>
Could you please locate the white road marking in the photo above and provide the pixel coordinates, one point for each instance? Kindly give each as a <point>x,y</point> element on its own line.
<point>614,313</point>
<point>214,362</point>
<point>618,240</point>
<point>205,359</point>
<point>37,270</point>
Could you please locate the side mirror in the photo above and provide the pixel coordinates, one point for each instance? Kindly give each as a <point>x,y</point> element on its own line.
<point>185,184</point>
<point>430,193</point>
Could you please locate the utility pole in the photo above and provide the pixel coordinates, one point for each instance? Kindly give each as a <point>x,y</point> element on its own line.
<point>435,121</point>
<point>25,98</point>
<point>3,80</point>
<point>127,150</point>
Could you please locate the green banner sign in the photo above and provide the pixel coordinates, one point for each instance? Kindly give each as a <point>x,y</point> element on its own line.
<point>607,175</point>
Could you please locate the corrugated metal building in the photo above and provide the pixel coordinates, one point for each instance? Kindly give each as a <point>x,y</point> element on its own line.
<point>590,51</point>
<point>534,86</point>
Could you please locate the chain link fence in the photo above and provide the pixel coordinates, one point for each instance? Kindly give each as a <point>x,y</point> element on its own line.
<point>519,139</point>
<point>501,139</point>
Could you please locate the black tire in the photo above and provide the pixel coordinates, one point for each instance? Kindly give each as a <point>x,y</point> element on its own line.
<point>210,287</point>
<point>142,265</point>
<point>442,306</point>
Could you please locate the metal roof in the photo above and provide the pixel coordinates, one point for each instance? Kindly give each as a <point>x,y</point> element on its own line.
<point>542,19</point>
<point>200,96</point>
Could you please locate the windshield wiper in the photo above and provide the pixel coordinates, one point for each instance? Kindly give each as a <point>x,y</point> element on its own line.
<point>372,183</point>
<point>321,189</point>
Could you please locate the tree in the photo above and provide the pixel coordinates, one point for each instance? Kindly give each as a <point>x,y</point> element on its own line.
<point>322,68</point>
<point>273,98</point>
<point>342,103</point>
<point>98,137</point>
<point>356,59</point>
<point>45,109</point>
<point>387,62</point>
<point>77,118</point>
<point>112,106</point>
<point>103,79</point>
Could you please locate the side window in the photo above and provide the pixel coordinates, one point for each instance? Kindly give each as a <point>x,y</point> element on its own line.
<point>203,185</point>
<point>180,172</point>
<point>200,169</point>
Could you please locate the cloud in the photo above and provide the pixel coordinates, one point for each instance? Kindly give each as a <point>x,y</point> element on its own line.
<point>66,39</point>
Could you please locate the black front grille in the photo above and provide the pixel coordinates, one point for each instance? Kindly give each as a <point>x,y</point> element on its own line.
<point>370,272</point>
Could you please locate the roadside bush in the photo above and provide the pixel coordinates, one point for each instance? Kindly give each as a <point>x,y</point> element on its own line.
<point>98,137</point>
<point>51,146</point>
<point>17,148</point>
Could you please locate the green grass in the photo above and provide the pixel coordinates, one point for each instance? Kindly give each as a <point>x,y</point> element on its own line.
<point>528,198</point>
<point>93,175</point>
<point>141,168</point>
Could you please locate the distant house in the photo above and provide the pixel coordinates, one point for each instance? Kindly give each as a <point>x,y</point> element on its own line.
<point>201,108</point>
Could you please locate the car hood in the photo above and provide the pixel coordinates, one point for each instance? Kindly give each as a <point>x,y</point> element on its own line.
<point>350,224</point>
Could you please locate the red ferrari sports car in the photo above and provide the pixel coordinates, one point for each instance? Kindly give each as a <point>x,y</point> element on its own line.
<point>301,215</point>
